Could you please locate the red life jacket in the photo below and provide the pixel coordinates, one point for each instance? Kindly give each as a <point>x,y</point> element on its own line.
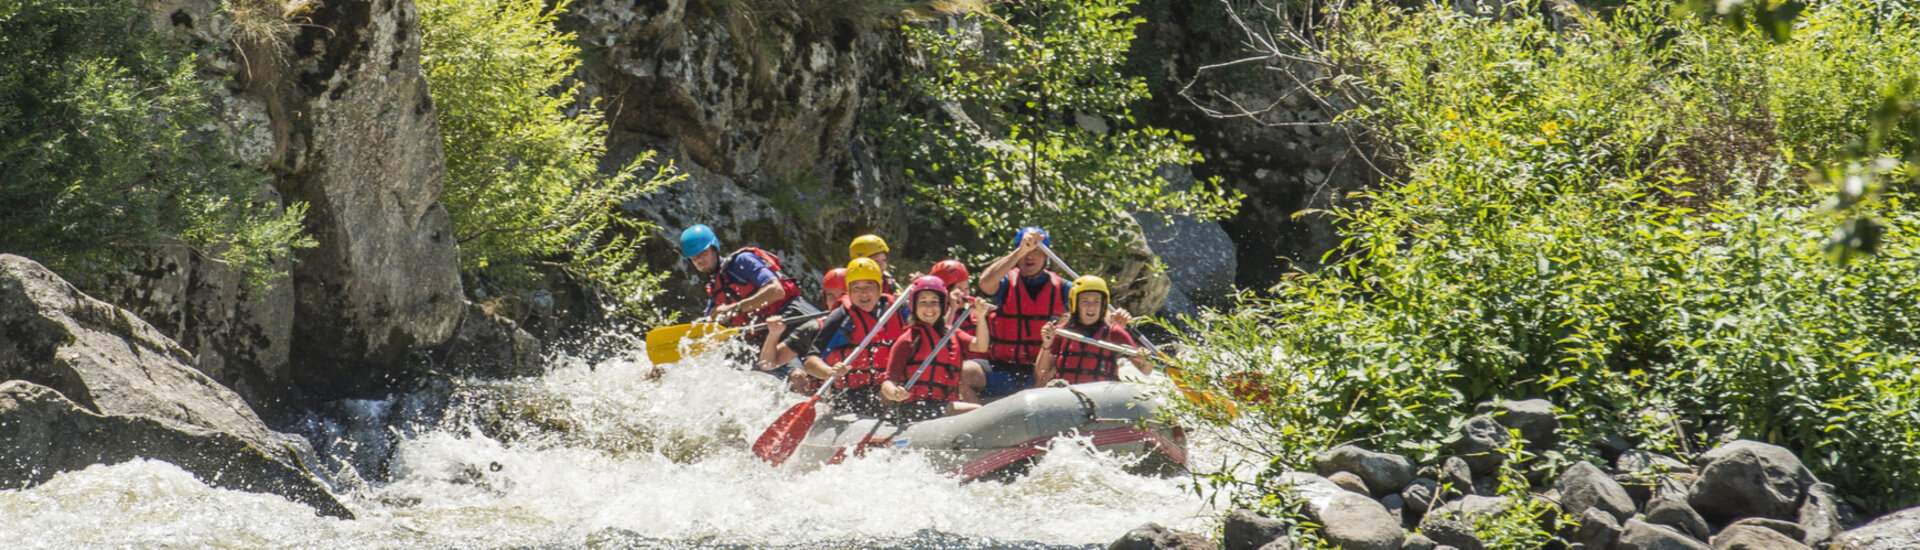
<point>720,292</point>
<point>1079,363</point>
<point>1015,327</point>
<point>868,369</point>
<point>941,383</point>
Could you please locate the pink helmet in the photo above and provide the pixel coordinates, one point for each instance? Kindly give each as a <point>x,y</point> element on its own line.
<point>927,283</point>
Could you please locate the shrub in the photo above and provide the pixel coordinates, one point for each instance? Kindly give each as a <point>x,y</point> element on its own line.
<point>1554,234</point>
<point>101,154</point>
<point>524,187</point>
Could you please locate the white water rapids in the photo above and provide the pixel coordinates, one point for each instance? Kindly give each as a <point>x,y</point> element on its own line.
<point>602,455</point>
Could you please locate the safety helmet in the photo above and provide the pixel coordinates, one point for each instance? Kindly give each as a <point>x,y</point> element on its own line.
<point>951,272</point>
<point>696,239</point>
<point>863,269</point>
<point>1045,239</point>
<point>1089,283</point>
<point>836,279</point>
<point>866,246</point>
<point>926,283</point>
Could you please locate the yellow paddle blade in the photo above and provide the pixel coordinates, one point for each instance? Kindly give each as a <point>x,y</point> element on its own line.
<point>1205,399</point>
<point>663,344</point>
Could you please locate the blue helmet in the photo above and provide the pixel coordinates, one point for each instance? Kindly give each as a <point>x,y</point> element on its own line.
<point>697,239</point>
<point>1022,233</point>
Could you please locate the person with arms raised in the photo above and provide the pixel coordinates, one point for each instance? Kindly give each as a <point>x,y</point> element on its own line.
<point>1027,297</point>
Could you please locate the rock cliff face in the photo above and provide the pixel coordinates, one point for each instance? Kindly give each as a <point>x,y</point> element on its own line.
<point>339,114</point>
<point>91,383</point>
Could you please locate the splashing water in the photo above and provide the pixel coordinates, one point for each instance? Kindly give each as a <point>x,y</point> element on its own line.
<point>616,454</point>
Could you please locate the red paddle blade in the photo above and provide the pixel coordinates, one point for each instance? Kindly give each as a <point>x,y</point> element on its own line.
<point>780,439</point>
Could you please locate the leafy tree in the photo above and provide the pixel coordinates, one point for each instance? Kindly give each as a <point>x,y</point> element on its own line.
<point>1048,137</point>
<point>523,182</point>
<point>100,150</point>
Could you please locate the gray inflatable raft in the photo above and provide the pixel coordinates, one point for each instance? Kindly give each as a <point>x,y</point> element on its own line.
<point>1002,438</point>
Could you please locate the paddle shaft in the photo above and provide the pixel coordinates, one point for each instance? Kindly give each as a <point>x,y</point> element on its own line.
<point>1105,345</point>
<point>863,342</point>
<point>1070,273</point>
<point>802,318</point>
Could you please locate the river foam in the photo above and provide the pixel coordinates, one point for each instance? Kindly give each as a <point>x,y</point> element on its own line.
<point>613,454</point>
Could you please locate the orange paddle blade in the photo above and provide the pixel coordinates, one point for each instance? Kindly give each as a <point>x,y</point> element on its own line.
<point>780,439</point>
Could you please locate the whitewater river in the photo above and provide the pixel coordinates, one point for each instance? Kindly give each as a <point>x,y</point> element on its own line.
<point>603,454</point>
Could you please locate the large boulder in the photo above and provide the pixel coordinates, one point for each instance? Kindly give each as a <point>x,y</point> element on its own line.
<point>1245,530</point>
<point>490,345</point>
<point>1533,417</point>
<point>239,335</point>
<point>1352,521</point>
<point>1584,486</point>
<point>111,364</point>
<point>1199,256</point>
<point>364,152</point>
<point>1895,531</point>
<point>1675,513</point>
<point>1820,514</point>
<point>1750,479</point>
<point>1383,473</point>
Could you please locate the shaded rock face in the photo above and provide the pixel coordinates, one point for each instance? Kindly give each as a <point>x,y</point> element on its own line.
<point>105,362</point>
<point>384,280</point>
<point>346,123</point>
<point>491,346</point>
<point>1199,256</point>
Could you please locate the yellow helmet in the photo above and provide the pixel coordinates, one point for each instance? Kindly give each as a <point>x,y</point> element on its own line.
<point>866,245</point>
<point>1089,283</point>
<point>863,269</point>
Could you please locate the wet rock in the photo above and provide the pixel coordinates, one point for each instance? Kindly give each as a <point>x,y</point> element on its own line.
<point>1533,417</point>
<point>488,345</point>
<point>1819,514</point>
<point>1479,443</point>
<point>1350,482</point>
<point>1352,521</point>
<point>1750,479</point>
<point>1584,486</point>
<point>1245,530</point>
<point>239,336</point>
<point>1749,537</point>
<point>1895,531</point>
<point>1154,537</point>
<point>1383,472</point>
<point>44,433</point>
<point>1640,535</point>
<point>1675,513</point>
<point>111,364</point>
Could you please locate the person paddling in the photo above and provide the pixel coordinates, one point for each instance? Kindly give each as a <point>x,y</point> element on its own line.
<point>1028,297</point>
<point>856,378</point>
<point>944,388</point>
<point>1078,363</point>
<point>744,287</point>
<point>783,347</point>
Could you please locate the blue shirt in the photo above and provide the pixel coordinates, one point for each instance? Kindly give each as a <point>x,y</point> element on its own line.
<point>748,268</point>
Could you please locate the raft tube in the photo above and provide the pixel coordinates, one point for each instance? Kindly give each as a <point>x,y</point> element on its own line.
<point>1002,438</point>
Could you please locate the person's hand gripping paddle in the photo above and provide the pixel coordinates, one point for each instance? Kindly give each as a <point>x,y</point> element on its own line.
<point>663,344</point>
<point>779,441</point>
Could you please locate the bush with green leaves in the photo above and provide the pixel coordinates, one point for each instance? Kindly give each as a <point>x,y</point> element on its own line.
<point>1613,216</point>
<point>102,156</point>
<point>1048,136</point>
<point>524,186</point>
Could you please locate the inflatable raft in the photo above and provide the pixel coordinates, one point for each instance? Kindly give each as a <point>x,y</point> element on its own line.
<point>1004,437</point>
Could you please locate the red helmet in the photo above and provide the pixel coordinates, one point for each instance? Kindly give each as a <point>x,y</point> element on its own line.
<point>951,272</point>
<point>927,282</point>
<point>836,279</point>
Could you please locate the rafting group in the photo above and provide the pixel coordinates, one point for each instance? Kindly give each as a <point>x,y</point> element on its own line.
<point>937,349</point>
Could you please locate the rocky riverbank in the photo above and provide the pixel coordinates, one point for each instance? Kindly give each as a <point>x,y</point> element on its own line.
<point>1739,495</point>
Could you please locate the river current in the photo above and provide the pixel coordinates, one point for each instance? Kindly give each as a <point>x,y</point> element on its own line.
<point>609,453</point>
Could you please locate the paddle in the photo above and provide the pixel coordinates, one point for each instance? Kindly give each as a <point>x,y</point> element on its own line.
<point>860,449</point>
<point>663,344</point>
<point>778,442</point>
<point>1178,381</point>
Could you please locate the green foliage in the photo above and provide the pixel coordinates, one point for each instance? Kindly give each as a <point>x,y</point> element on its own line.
<point>1024,157</point>
<point>1573,222</point>
<point>102,152</point>
<point>523,181</point>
